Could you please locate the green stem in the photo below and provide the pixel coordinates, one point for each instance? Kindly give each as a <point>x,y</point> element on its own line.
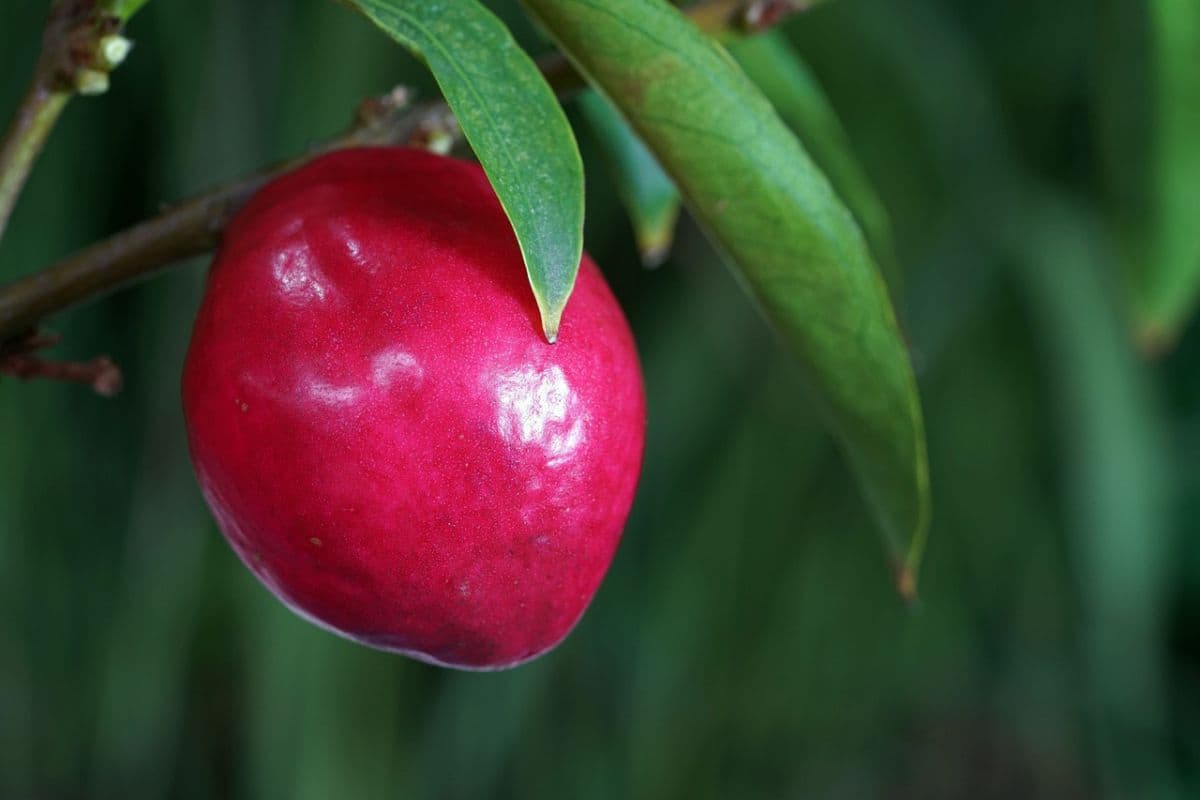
<point>35,117</point>
<point>74,57</point>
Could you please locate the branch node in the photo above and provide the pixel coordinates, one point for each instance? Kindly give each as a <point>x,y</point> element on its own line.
<point>436,133</point>
<point>375,110</point>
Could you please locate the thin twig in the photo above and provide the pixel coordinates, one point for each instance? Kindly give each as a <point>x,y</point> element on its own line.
<point>80,45</point>
<point>18,360</point>
<point>35,117</point>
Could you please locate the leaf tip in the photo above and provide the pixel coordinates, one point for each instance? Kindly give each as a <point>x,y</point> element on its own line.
<point>654,244</point>
<point>653,256</point>
<point>550,323</point>
<point>906,584</point>
<point>1154,339</point>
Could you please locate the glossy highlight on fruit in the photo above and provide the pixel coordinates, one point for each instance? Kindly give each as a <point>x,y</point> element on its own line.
<point>381,430</point>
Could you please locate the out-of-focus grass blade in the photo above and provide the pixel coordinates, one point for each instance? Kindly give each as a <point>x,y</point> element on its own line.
<point>766,205</point>
<point>1166,284</point>
<point>1115,471</point>
<point>774,65</point>
<point>473,758</point>
<point>649,196</point>
<point>514,124</point>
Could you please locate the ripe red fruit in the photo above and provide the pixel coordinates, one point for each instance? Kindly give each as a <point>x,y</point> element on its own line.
<point>381,430</point>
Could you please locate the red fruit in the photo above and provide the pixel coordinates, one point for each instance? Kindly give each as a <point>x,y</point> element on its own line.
<point>381,430</point>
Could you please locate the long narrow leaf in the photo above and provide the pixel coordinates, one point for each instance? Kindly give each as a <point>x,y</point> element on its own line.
<point>1174,280</point>
<point>1152,115</point>
<point>651,200</point>
<point>786,80</point>
<point>751,184</point>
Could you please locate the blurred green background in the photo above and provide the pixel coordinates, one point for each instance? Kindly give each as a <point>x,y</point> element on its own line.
<point>747,642</point>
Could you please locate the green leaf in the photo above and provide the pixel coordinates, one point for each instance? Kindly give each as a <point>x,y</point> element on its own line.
<point>787,82</point>
<point>649,196</point>
<point>123,9</point>
<point>1167,282</point>
<point>798,249</point>
<point>515,125</point>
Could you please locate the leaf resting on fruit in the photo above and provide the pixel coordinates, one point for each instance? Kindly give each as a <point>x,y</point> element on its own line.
<point>515,126</point>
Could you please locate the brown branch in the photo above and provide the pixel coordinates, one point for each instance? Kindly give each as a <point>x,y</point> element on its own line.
<point>194,227</point>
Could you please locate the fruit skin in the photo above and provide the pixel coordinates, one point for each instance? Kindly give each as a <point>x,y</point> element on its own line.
<point>380,428</point>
